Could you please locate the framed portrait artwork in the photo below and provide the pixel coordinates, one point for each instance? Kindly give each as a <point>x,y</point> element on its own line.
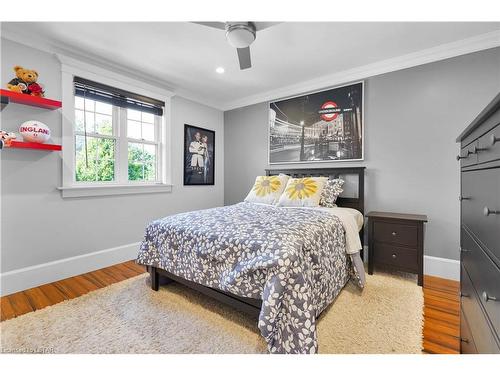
<point>199,156</point>
<point>323,126</point>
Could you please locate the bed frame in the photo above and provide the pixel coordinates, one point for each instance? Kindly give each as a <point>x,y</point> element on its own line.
<point>252,306</point>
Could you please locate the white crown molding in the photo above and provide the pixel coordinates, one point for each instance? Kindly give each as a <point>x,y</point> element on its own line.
<point>426,56</point>
<point>71,54</point>
<point>441,52</point>
<point>72,65</point>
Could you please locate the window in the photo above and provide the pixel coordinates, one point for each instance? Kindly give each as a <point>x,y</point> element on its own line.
<point>117,135</point>
<point>142,146</point>
<point>95,140</point>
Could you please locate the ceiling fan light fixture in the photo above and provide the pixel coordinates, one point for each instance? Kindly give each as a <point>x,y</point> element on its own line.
<point>240,35</point>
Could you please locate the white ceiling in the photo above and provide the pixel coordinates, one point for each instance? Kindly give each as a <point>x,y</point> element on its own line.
<point>184,55</point>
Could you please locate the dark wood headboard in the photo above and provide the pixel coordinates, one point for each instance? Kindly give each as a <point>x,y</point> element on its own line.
<point>357,202</point>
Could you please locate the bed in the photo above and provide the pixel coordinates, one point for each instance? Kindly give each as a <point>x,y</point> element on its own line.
<point>282,265</point>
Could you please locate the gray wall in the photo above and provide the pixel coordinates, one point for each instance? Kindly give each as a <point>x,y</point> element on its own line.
<point>412,118</point>
<point>38,226</point>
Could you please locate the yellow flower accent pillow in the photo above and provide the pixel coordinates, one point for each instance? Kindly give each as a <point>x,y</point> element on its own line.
<point>267,189</point>
<point>303,192</point>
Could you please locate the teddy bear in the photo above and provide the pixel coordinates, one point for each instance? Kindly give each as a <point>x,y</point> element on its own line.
<point>6,138</point>
<point>25,82</point>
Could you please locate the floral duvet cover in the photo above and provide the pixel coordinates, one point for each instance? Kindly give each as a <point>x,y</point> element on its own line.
<point>293,259</point>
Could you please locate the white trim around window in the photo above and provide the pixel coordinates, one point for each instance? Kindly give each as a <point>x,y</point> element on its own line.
<point>71,189</point>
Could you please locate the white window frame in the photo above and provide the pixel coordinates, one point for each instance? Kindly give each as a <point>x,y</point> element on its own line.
<point>70,187</point>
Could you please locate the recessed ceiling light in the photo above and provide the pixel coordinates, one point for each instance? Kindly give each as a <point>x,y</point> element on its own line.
<point>220,70</point>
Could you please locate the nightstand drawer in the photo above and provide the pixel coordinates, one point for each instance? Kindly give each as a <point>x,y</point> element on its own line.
<point>399,257</point>
<point>396,240</point>
<point>396,233</point>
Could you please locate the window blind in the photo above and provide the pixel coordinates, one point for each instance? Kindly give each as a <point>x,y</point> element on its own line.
<point>120,98</point>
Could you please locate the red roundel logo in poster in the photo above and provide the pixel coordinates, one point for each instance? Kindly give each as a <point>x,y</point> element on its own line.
<point>329,111</point>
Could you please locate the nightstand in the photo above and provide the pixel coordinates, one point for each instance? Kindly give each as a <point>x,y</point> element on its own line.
<point>396,241</point>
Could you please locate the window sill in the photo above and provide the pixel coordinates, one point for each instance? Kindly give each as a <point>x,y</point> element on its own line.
<point>103,190</point>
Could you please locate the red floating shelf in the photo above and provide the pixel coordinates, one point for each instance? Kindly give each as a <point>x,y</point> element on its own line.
<point>34,101</point>
<point>35,146</point>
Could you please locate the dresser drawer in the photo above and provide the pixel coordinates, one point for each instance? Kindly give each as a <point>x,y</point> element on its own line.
<point>396,233</point>
<point>400,257</point>
<point>467,345</point>
<point>485,277</point>
<point>468,155</point>
<point>484,338</point>
<point>480,192</point>
<point>489,146</point>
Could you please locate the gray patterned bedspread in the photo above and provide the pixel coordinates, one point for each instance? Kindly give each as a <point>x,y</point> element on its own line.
<point>292,259</point>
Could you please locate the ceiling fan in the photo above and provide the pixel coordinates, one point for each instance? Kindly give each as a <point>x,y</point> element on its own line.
<point>240,35</point>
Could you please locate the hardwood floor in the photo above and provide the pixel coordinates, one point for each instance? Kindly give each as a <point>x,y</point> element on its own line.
<point>441,316</point>
<point>441,302</point>
<point>49,294</point>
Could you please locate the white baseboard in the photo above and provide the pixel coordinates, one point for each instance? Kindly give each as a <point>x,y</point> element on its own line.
<point>29,277</point>
<point>442,267</point>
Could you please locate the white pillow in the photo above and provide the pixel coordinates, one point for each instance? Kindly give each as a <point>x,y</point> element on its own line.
<point>267,189</point>
<point>303,192</point>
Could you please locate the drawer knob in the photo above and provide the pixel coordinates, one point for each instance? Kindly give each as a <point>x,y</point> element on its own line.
<point>487,297</point>
<point>463,339</point>
<point>494,140</point>
<point>463,198</point>
<point>466,155</point>
<point>465,295</point>
<point>394,256</point>
<point>394,233</point>
<point>488,212</point>
<point>464,250</point>
<point>475,149</point>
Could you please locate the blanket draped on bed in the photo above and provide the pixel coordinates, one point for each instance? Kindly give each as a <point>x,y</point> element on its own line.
<point>292,259</point>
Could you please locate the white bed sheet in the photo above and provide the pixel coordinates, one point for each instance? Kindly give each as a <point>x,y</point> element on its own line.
<point>351,219</point>
<point>358,216</point>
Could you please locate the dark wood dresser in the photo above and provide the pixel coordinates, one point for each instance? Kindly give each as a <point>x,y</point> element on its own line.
<point>480,232</point>
<point>396,241</point>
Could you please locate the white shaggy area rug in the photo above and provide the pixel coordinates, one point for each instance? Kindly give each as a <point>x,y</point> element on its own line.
<point>128,317</point>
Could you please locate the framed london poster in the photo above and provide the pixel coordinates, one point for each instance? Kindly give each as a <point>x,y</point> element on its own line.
<point>199,156</point>
<point>323,126</point>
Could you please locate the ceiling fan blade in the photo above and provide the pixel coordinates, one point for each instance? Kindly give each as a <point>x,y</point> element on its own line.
<point>264,25</point>
<point>215,25</point>
<point>244,57</point>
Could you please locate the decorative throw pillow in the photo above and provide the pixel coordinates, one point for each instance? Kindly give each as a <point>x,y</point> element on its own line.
<point>331,191</point>
<point>302,192</point>
<point>267,189</point>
